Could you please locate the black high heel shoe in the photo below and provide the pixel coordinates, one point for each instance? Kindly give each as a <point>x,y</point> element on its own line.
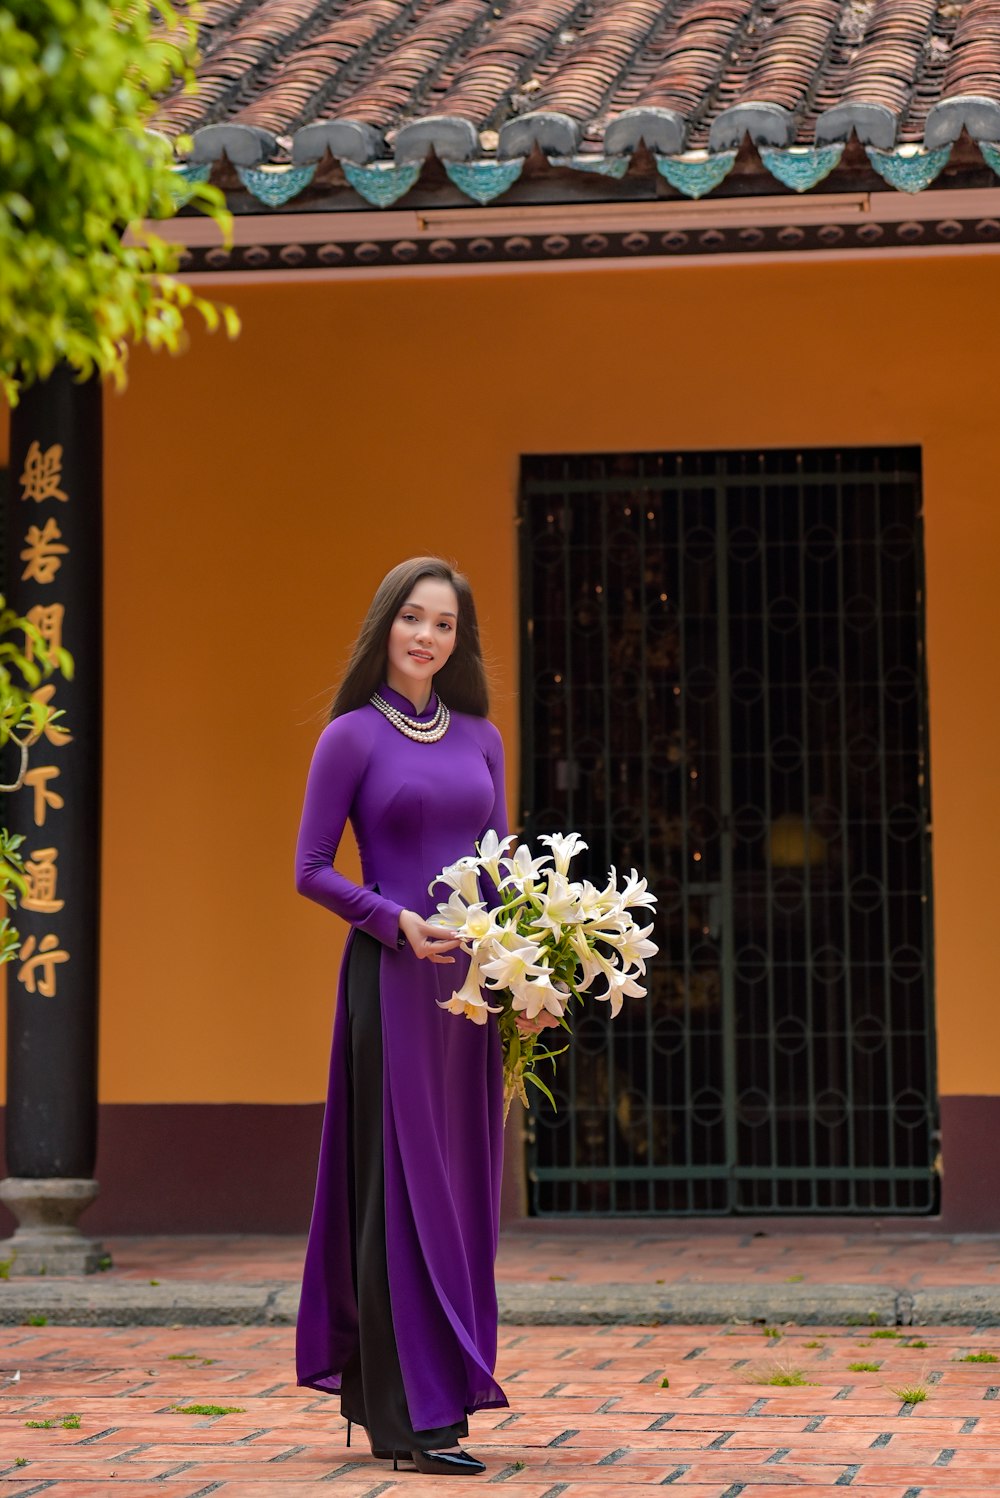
<point>376,1451</point>
<point>445,1463</point>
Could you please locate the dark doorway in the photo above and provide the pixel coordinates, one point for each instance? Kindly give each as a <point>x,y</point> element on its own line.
<point>723,684</point>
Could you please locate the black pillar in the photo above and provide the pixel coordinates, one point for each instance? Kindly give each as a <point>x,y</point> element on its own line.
<point>54,578</point>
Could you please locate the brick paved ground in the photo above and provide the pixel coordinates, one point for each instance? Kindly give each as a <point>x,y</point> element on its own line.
<point>909,1260</point>
<point>589,1416</point>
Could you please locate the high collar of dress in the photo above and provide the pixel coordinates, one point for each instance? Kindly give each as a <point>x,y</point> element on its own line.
<point>404,705</point>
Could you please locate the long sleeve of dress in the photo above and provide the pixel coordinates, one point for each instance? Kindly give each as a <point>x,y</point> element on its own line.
<point>495,761</point>
<point>497,819</point>
<point>337,768</point>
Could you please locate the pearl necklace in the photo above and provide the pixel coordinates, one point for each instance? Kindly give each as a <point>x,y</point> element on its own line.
<point>420,732</point>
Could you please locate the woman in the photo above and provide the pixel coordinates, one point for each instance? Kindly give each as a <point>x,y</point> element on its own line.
<point>398,1308</point>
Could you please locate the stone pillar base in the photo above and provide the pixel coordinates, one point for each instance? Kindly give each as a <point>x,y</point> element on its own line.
<point>47,1239</point>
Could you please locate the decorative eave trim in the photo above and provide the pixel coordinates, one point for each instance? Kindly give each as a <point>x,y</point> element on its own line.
<point>658,131</point>
<point>346,140</point>
<point>765,124</point>
<point>662,130</point>
<point>978,116</point>
<point>448,136</point>
<point>244,145</point>
<point>383,181</point>
<point>552,134</point>
<point>873,124</point>
<point>641,232</point>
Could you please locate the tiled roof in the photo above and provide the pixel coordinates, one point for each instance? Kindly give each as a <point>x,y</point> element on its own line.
<point>381,84</point>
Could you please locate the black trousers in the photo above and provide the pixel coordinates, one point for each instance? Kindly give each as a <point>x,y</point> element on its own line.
<point>372,1392</point>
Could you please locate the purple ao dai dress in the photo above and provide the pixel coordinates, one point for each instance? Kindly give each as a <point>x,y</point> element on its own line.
<point>414,808</point>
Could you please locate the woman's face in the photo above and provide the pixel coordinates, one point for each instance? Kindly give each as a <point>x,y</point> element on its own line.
<point>422,637</point>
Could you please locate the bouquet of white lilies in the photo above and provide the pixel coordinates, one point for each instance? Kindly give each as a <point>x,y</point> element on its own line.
<point>550,940</point>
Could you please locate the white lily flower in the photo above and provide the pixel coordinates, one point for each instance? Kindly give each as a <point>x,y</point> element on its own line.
<point>596,902</point>
<point>512,963</point>
<point>469,1000</point>
<point>584,952</point>
<point>635,948</point>
<point>509,937</point>
<point>610,927</point>
<point>620,983</point>
<point>491,849</point>
<point>472,923</point>
<point>538,993</point>
<point>453,914</point>
<point>636,892</point>
<point>560,904</point>
<point>522,869</point>
<point>564,848</point>
<point>477,1009</point>
<point>602,964</point>
<point>482,924</point>
<point>461,876</point>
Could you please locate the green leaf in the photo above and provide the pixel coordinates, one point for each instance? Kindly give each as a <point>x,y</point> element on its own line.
<point>79,84</point>
<point>549,1055</point>
<point>529,1076</point>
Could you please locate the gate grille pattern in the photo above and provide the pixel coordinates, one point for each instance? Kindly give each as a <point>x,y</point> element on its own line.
<point>723,684</point>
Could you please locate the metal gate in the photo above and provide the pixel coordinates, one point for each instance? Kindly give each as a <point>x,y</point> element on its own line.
<point>723,683</point>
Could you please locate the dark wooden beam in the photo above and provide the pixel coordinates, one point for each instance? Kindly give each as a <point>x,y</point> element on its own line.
<point>54,578</point>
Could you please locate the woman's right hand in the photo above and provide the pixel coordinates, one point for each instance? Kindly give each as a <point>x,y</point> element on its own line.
<point>542,1021</point>
<point>427,941</point>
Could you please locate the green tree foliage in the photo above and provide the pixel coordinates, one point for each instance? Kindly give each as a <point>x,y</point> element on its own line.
<point>23,720</point>
<point>79,165</point>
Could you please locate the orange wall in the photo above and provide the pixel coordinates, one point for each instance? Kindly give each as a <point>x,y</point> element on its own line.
<point>256,492</point>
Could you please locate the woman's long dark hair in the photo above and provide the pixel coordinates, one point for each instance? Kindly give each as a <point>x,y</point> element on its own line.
<point>461,681</point>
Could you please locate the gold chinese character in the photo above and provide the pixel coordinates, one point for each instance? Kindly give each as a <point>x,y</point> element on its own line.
<point>54,732</point>
<point>42,553</point>
<point>41,874</point>
<point>38,779</point>
<point>48,620</point>
<point>48,954</point>
<point>43,473</point>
